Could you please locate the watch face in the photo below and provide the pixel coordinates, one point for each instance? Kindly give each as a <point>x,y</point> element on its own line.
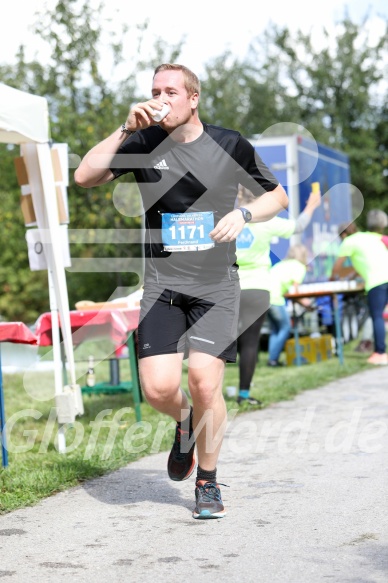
<point>248,216</point>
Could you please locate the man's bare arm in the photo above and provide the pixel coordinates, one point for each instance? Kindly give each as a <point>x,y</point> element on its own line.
<point>89,173</point>
<point>94,168</point>
<point>339,270</point>
<point>267,206</point>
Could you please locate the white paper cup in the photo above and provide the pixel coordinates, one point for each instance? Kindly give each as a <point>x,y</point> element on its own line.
<point>158,115</point>
<point>231,391</point>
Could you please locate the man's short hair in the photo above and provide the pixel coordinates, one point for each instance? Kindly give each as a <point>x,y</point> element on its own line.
<point>192,83</point>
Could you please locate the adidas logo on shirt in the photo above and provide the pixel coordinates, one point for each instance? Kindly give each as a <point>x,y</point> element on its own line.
<point>161,165</point>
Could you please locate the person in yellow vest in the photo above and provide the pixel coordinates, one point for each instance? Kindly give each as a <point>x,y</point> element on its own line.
<point>369,257</point>
<point>290,271</point>
<point>254,261</point>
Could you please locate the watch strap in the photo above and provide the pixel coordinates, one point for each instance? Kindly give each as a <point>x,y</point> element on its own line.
<point>124,130</point>
<point>246,213</point>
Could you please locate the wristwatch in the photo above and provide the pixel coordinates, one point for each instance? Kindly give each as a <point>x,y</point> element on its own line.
<point>125,131</point>
<point>246,213</point>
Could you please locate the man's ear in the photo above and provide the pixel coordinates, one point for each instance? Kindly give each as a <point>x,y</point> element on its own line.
<point>194,99</point>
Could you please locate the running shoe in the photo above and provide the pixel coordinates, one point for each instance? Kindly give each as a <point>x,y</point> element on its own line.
<point>208,500</point>
<point>275,363</point>
<point>379,359</point>
<point>181,461</point>
<point>249,401</point>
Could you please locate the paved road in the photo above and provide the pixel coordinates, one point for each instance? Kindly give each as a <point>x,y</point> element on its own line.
<point>307,503</point>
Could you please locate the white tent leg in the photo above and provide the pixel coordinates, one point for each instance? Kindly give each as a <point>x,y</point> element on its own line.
<point>58,373</point>
<point>55,262</point>
<point>40,172</point>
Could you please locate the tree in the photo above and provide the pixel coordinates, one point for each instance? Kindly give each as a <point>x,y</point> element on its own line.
<point>337,88</point>
<point>245,95</point>
<point>333,91</point>
<point>23,294</point>
<point>84,108</point>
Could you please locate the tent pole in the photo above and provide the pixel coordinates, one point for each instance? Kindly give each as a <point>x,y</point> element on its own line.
<point>57,357</point>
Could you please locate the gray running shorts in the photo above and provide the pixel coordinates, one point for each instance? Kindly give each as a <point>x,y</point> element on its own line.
<point>205,319</point>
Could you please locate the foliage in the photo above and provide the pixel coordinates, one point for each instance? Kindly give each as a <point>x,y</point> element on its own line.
<point>245,95</point>
<point>336,92</point>
<point>22,293</point>
<point>338,89</point>
<point>84,108</point>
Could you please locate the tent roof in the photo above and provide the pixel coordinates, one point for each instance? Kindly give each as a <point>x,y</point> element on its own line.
<point>23,117</point>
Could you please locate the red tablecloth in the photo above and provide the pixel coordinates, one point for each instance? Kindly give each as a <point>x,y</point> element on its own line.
<point>16,332</point>
<point>89,324</point>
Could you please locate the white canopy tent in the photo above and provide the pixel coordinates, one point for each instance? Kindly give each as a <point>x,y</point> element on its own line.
<point>23,117</point>
<point>24,120</point>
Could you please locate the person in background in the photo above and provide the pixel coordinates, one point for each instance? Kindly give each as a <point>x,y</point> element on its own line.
<point>253,258</point>
<point>291,271</point>
<point>348,272</point>
<point>345,229</point>
<point>369,257</point>
<point>188,174</point>
<point>347,269</point>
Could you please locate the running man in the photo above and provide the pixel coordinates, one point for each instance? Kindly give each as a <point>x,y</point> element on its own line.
<point>188,174</point>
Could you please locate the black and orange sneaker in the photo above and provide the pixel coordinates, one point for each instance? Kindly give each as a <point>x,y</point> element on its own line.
<point>181,461</point>
<point>208,500</point>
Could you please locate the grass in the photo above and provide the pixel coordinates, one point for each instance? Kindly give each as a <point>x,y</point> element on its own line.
<point>36,469</point>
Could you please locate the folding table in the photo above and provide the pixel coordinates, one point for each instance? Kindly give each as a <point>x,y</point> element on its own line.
<point>119,325</point>
<point>332,289</point>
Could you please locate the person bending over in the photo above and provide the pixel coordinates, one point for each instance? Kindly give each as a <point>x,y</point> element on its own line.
<point>369,258</point>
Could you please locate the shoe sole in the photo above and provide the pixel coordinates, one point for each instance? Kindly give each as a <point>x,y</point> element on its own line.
<point>206,515</point>
<point>190,472</point>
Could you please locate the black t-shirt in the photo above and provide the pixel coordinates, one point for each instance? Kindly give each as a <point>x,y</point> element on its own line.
<point>194,177</point>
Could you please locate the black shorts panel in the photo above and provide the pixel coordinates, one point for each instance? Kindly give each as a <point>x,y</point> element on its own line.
<point>172,321</point>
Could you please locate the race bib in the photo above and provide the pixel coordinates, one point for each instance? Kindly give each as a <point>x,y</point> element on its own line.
<point>187,231</point>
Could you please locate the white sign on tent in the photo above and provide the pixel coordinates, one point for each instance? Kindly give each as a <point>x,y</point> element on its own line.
<point>24,120</point>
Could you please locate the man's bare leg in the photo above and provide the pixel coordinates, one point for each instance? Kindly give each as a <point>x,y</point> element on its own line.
<point>206,374</point>
<point>160,379</point>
